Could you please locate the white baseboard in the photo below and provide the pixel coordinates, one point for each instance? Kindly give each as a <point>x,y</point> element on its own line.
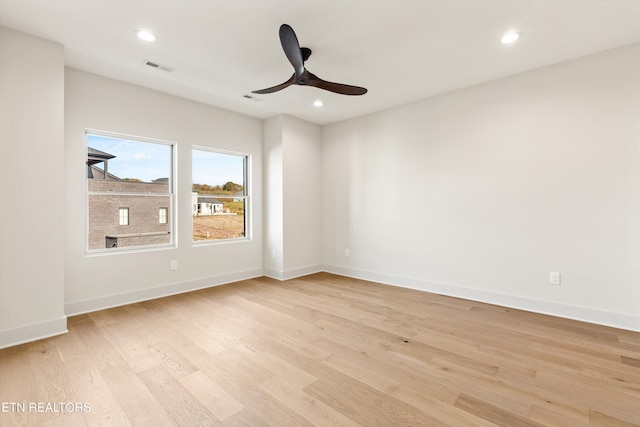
<point>274,274</point>
<point>94,304</point>
<point>33,332</point>
<point>605,318</point>
<point>293,273</point>
<point>58,326</point>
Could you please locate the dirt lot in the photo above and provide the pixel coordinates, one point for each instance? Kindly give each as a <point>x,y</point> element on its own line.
<point>218,227</point>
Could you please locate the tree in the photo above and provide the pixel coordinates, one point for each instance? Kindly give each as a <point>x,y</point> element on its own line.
<point>232,187</point>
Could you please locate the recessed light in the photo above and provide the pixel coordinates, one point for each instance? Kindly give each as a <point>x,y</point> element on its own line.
<point>318,103</point>
<point>510,37</point>
<point>145,35</point>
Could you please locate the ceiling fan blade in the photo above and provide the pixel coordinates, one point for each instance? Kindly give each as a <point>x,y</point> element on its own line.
<point>288,83</point>
<point>340,88</point>
<point>302,77</point>
<point>291,48</point>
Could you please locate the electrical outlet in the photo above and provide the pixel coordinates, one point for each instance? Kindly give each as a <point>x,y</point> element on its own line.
<point>346,252</point>
<point>273,254</point>
<point>174,264</point>
<point>554,278</point>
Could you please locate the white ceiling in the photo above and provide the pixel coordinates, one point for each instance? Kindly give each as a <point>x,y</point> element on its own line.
<point>401,50</point>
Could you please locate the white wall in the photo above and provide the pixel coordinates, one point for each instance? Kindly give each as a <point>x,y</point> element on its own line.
<point>302,177</point>
<point>97,281</point>
<point>482,192</point>
<point>32,171</point>
<point>273,198</point>
<point>293,206</point>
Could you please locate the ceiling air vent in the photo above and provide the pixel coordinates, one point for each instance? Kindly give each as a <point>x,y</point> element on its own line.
<point>158,66</point>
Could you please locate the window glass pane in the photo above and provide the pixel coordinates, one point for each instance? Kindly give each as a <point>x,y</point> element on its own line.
<point>229,224</point>
<point>162,215</point>
<point>125,165</point>
<point>128,183</point>
<point>219,195</point>
<point>124,216</point>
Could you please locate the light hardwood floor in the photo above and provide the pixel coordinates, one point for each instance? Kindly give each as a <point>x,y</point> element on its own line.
<point>324,350</point>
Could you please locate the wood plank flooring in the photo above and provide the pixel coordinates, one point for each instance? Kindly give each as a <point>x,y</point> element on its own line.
<point>323,350</point>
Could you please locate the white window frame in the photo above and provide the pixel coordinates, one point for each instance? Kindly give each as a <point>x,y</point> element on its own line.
<point>163,215</point>
<point>123,216</point>
<point>172,185</point>
<point>247,185</point>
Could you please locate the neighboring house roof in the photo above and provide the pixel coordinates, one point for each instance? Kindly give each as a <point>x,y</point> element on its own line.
<point>92,152</point>
<point>209,199</point>
<point>96,156</point>
<point>93,158</point>
<point>100,172</point>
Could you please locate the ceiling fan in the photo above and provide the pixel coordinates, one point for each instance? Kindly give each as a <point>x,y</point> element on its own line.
<point>297,56</point>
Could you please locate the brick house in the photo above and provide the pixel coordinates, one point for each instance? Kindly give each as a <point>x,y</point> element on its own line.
<point>124,213</point>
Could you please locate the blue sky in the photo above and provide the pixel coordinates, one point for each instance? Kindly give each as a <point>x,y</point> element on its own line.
<point>216,168</point>
<point>148,161</point>
<point>134,159</point>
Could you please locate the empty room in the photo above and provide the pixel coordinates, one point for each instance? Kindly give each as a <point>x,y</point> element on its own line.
<point>331,213</point>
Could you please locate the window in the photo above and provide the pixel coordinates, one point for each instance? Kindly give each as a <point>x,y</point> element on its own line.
<point>219,197</point>
<point>162,215</point>
<point>129,183</point>
<point>124,216</point>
